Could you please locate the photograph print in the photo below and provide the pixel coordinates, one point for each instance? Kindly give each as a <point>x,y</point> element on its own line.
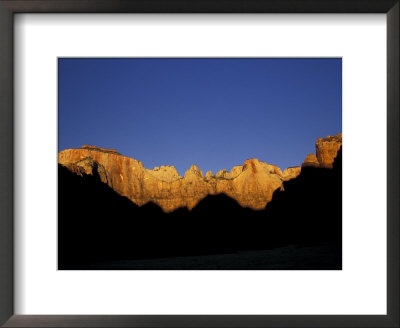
<point>199,164</point>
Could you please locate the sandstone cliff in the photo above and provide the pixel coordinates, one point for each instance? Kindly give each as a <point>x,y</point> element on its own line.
<point>326,151</point>
<point>311,160</point>
<point>251,184</point>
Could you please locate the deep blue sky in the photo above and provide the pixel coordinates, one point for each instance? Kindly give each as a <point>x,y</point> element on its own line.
<point>215,113</point>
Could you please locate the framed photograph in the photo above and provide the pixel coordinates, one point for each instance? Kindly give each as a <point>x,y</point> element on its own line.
<point>199,164</point>
<point>197,113</point>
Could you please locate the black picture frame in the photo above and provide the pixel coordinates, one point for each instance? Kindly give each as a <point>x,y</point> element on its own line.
<point>10,7</point>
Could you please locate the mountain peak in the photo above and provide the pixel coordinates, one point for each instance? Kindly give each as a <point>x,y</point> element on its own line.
<point>166,173</point>
<point>311,160</point>
<point>194,170</point>
<point>253,164</point>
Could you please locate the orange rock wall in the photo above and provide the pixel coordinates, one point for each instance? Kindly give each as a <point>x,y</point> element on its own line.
<point>327,149</point>
<point>251,184</point>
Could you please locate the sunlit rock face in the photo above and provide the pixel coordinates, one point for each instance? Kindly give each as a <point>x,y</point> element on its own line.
<point>125,175</point>
<point>311,160</point>
<point>326,152</point>
<point>251,184</point>
<point>88,166</point>
<point>291,173</point>
<point>327,149</point>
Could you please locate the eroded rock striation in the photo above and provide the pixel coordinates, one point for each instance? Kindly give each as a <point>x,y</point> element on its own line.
<point>251,184</point>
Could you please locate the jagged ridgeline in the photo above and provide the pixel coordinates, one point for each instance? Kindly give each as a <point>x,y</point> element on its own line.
<point>111,207</point>
<point>251,184</point>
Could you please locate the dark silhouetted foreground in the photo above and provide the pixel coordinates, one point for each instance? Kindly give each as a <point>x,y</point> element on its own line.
<point>301,228</point>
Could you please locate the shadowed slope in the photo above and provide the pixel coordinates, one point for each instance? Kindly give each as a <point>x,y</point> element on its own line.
<point>311,205</point>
